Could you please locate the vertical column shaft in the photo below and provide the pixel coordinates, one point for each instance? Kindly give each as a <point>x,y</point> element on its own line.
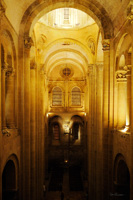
<point>33,131</point>
<point>122,104</point>
<point>99,103</point>
<point>26,139</point>
<point>3,94</point>
<point>10,99</point>
<point>106,109</point>
<point>128,112</point>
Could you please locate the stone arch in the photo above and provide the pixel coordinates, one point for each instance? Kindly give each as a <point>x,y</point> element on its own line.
<point>10,177</point>
<point>78,119</point>
<point>93,8</point>
<point>56,120</point>
<point>8,65</point>
<point>6,33</point>
<point>123,46</point>
<point>121,177</point>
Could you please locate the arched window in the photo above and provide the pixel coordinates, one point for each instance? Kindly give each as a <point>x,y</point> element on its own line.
<point>57,96</point>
<point>76,96</point>
<point>56,131</point>
<point>75,130</point>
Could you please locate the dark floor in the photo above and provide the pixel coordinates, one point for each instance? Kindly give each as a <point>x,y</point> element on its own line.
<point>69,181</point>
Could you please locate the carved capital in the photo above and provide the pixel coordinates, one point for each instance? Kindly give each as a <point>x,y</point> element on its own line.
<point>28,42</point>
<point>10,72</point>
<point>90,67</point>
<point>4,66</point>
<point>99,66</point>
<point>106,45</point>
<point>33,65</point>
<point>42,72</point>
<point>130,11</point>
<point>121,76</point>
<point>6,132</point>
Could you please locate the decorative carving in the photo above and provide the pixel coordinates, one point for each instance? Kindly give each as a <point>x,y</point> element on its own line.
<point>10,72</point>
<point>28,42</point>
<point>42,72</point>
<point>33,64</point>
<point>99,66</point>
<point>106,45</point>
<point>6,132</point>
<point>66,71</point>
<point>4,66</point>
<point>91,45</point>
<point>90,68</point>
<point>121,76</point>
<point>130,12</point>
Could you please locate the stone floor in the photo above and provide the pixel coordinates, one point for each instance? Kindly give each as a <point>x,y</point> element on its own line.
<point>67,196</point>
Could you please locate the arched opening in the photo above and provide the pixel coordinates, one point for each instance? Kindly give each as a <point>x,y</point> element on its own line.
<point>121,179</point>
<point>63,56</point>
<point>9,182</point>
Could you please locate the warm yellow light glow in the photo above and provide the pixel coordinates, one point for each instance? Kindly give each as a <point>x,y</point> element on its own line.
<point>125,129</point>
<point>67,18</point>
<point>66,128</point>
<point>127,121</point>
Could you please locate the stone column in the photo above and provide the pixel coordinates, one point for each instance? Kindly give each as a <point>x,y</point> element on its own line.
<point>99,128</point>
<point>33,129</point>
<point>3,94</point>
<point>10,98</point>
<point>128,112</point>
<point>26,139</point>
<point>40,133</point>
<point>92,133</point>
<point>106,109</point>
<point>122,98</point>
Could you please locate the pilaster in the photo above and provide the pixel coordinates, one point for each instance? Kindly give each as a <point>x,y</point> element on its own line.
<point>33,129</point>
<point>40,132</point>
<point>106,114</point>
<point>26,139</point>
<point>92,132</point>
<point>99,129</point>
<point>3,94</point>
<point>122,100</point>
<point>10,98</point>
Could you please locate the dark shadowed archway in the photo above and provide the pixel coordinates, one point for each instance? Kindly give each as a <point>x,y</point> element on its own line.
<point>121,178</point>
<point>10,181</point>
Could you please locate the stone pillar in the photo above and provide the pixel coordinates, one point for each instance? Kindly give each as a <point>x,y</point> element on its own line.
<point>3,94</point>
<point>122,98</point>
<point>128,112</point>
<point>40,133</point>
<point>10,98</point>
<point>33,129</point>
<point>99,128</point>
<point>26,139</point>
<point>92,132</point>
<point>106,110</point>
